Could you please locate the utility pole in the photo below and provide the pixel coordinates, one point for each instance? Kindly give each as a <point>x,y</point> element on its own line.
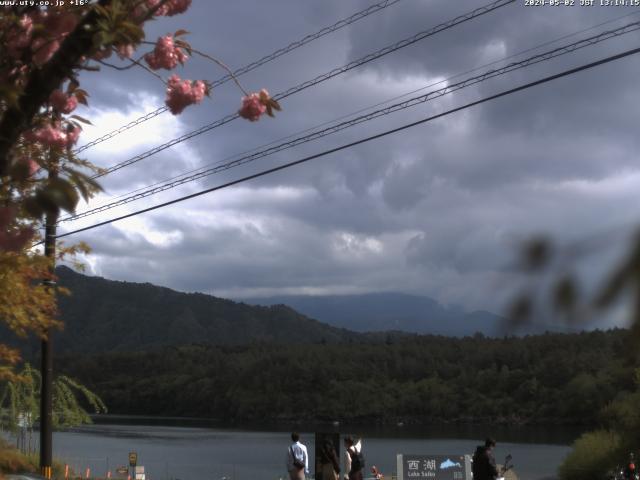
<point>46,365</point>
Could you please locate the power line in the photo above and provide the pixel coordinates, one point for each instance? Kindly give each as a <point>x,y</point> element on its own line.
<point>163,109</point>
<point>250,157</point>
<point>305,40</point>
<point>124,128</point>
<point>367,139</point>
<point>253,65</point>
<point>361,110</point>
<point>319,79</point>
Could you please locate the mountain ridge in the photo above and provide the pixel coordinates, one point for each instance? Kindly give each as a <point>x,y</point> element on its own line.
<point>109,315</point>
<point>388,311</point>
<point>103,315</point>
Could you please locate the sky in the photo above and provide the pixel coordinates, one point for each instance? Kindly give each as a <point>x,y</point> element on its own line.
<point>441,209</point>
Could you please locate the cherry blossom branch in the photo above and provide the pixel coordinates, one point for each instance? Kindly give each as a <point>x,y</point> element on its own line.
<point>209,57</point>
<point>134,62</point>
<point>152,11</point>
<point>223,66</point>
<point>116,67</point>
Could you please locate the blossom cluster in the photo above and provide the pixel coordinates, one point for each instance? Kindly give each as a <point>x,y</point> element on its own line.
<point>63,103</point>
<point>255,105</point>
<point>169,8</point>
<point>21,37</point>
<point>165,55</point>
<point>54,135</point>
<point>182,93</point>
<point>33,38</point>
<point>252,108</point>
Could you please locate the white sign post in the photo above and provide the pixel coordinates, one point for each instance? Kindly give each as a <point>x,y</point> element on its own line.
<point>433,467</point>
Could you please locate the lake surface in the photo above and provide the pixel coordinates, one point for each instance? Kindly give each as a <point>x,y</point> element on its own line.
<point>190,453</point>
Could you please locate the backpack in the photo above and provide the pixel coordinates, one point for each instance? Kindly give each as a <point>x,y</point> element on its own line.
<point>296,463</point>
<point>357,460</point>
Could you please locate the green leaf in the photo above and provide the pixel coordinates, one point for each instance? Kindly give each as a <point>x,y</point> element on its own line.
<point>58,193</point>
<point>82,98</point>
<point>275,104</point>
<point>80,185</point>
<point>80,178</point>
<point>73,86</point>
<point>33,208</point>
<point>9,95</point>
<point>81,119</point>
<point>19,171</point>
<point>101,10</point>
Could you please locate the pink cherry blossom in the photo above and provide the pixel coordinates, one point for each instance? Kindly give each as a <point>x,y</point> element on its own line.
<point>165,55</point>
<point>252,108</point>
<point>49,135</point>
<point>52,135</point>
<point>43,49</point>
<point>33,167</point>
<point>31,164</point>
<point>16,76</point>
<point>62,102</point>
<point>57,26</point>
<point>20,37</point>
<point>182,93</point>
<point>60,25</point>
<point>170,8</point>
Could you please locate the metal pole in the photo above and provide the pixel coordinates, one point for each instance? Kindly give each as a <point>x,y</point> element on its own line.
<point>46,365</point>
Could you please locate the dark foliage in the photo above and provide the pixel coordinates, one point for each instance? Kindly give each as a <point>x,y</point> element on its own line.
<point>551,378</point>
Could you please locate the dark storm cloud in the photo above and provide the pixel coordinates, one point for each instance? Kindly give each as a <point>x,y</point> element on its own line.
<point>434,210</point>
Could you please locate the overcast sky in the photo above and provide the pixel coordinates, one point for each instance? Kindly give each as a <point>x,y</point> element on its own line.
<point>435,210</point>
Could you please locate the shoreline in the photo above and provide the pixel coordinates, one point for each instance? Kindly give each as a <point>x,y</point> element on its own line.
<point>534,434</point>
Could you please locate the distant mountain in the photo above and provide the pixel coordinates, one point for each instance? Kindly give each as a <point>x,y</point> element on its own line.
<point>388,311</point>
<point>104,315</point>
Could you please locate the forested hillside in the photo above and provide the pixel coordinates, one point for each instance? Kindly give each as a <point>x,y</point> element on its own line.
<point>104,315</point>
<point>557,378</point>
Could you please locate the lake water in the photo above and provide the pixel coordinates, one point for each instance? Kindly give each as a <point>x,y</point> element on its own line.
<point>190,453</point>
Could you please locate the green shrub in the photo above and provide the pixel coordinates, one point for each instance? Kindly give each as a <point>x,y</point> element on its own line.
<point>593,455</point>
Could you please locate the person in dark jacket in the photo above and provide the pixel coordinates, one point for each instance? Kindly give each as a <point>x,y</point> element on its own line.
<point>484,463</point>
